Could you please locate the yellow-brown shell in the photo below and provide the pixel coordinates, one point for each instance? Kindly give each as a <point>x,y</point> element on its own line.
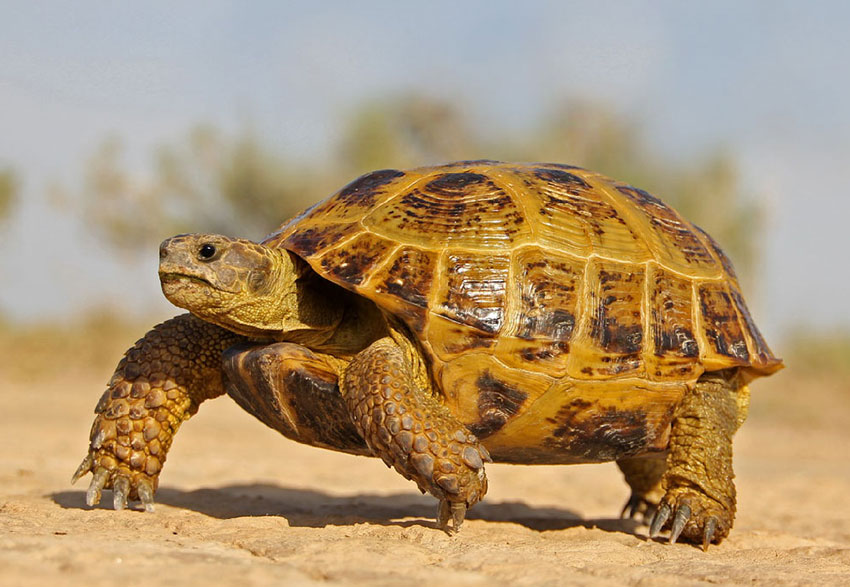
<point>530,283</point>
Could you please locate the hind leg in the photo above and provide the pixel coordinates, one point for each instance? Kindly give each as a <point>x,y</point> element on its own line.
<point>699,492</point>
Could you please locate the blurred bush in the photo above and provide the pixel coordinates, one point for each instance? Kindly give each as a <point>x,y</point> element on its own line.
<point>79,345</point>
<point>8,192</point>
<point>239,186</point>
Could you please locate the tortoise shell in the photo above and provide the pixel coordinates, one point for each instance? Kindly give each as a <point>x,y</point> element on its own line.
<point>563,313</point>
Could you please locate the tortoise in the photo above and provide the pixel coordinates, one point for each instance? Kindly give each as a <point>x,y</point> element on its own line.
<point>444,317</point>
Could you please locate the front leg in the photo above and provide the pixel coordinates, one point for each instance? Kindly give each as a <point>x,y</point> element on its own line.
<point>410,430</point>
<point>158,384</point>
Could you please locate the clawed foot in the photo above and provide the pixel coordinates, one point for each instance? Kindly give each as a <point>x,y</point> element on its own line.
<point>638,506</point>
<point>124,487</point>
<point>691,516</point>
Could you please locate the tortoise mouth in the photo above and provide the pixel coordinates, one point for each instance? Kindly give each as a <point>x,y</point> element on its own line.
<point>177,282</point>
<point>182,277</point>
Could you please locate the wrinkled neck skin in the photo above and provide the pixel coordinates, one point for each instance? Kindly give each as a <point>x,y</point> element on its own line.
<point>298,307</point>
<point>265,294</point>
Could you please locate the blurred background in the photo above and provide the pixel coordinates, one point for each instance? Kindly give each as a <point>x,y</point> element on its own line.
<point>120,126</point>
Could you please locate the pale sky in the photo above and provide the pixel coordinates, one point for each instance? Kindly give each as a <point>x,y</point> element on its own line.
<point>769,80</point>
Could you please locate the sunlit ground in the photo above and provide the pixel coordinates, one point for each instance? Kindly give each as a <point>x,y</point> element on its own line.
<point>237,500</point>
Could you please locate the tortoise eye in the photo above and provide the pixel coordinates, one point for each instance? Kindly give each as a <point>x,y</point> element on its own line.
<point>207,251</point>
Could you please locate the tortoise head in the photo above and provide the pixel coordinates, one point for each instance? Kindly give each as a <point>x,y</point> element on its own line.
<point>238,284</point>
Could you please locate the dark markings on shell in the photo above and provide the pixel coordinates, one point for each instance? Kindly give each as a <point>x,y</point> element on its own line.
<point>548,298</point>
<point>678,340</point>
<point>475,293</point>
<point>310,240</point>
<point>721,324</point>
<point>568,181</point>
<point>597,433</point>
<point>607,329</point>
<point>544,352</point>
<point>724,260</point>
<point>671,321</point>
<point>567,194</point>
<point>452,184</point>
<point>420,206</point>
<point>362,191</point>
<point>410,276</point>
<point>498,402</point>
<point>641,197</point>
<point>555,325</point>
<point>762,350</point>
<point>668,223</point>
<point>351,263</point>
<point>464,208</point>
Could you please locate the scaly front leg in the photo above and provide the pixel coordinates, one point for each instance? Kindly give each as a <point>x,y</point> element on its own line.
<point>411,431</point>
<point>158,384</point>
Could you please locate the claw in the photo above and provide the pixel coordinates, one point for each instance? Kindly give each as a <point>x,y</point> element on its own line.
<point>708,533</point>
<point>443,515</point>
<point>632,506</point>
<point>679,521</point>
<point>120,489</point>
<point>456,511</point>
<point>145,492</point>
<point>458,514</point>
<point>98,481</point>
<point>658,519</point>
<point>84,468</point>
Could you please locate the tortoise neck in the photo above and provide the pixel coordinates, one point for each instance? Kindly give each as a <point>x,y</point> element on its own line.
<point>311,309</point>
<point>334,320</point>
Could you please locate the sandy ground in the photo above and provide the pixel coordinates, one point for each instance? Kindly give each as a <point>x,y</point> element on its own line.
<point>241,505</point>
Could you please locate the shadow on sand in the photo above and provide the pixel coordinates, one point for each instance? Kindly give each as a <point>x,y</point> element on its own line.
<point>315,509</point>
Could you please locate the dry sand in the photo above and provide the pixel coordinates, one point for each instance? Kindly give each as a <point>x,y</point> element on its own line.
<point>239,504</point>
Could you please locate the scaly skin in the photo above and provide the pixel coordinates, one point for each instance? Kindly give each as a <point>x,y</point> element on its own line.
<point>414,433</point>
<point>158,384</point>
<point>643,474</point>
<point>699,499</point>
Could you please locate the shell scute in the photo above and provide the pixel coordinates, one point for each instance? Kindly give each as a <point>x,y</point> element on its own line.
<point>449,339</point>
<point>720,325</point>
<point>473,292</point>
<point>673,240</point>
<point>463,209</point>
<point>576,217</point>
<point>363,191</point>
<point>407,277</point>
<point>672,331</point>
<point>544,290</point>
<point>611,333</point>
<point>352,261</point>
